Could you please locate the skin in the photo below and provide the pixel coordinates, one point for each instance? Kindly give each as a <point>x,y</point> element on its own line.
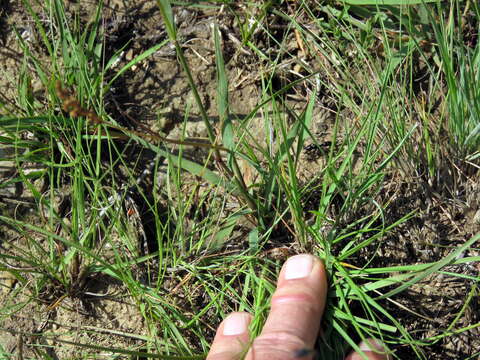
<point>293,323</point>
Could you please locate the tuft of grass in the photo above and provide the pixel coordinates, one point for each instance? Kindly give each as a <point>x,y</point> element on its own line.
<point>362,56</point>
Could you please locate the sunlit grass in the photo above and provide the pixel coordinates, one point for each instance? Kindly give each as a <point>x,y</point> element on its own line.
<point>363,58</point>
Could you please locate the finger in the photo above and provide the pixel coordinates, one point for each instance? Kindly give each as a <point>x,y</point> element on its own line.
<point>296,312</point>
<point>232,337</point>
<point>373,349</point>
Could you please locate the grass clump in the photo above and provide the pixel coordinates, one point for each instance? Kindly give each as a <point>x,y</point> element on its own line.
<point>187,236</point>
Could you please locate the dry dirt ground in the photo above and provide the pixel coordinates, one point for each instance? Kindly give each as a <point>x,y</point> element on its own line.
<point>158,86</point>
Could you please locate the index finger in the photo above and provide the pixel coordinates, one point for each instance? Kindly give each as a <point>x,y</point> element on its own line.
<point>296,311</point>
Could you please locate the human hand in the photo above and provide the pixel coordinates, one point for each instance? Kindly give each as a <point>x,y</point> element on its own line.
<point>293,323</point>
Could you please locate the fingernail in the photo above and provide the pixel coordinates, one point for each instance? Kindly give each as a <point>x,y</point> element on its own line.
<point>372,345</point>
<point>235,324</point>
<point>298,267</point>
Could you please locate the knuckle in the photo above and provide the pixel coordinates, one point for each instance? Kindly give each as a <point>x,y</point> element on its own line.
<point>226,355</point>
<point>276,345</point>
<point>305,301</point>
